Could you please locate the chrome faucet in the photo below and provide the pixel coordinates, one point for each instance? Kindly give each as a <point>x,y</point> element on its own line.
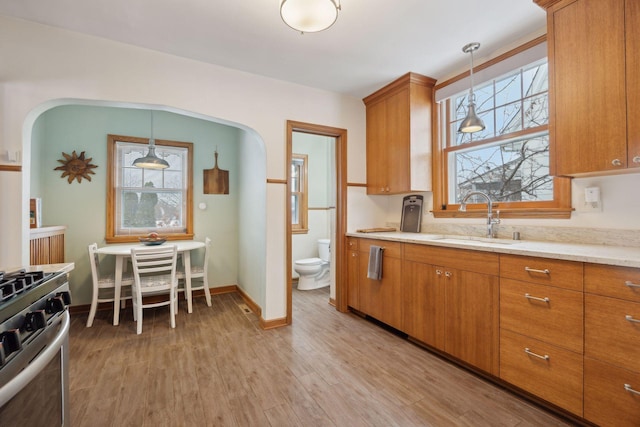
<point>490,219</point>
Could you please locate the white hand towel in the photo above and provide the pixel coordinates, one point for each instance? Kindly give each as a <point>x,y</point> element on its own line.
<point>375,262</point>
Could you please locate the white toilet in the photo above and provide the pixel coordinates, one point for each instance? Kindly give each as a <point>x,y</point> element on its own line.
<point>314,272</point>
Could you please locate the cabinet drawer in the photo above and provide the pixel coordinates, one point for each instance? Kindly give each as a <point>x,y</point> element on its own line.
<point>609,335</point>
<point>557,379</point>
<point>546,271</point>
<point>461,259</point>
<point>606,401</point>
<point>391,249</point>
<point>612,281</point>
<point>559,320</point>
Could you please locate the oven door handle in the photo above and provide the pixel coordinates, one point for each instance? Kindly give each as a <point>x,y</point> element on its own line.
<point>13,387</point>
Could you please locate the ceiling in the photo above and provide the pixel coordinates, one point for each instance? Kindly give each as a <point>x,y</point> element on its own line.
<point>372,43</point>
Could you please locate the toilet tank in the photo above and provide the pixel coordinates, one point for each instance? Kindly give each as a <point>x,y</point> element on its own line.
<point>323,249</point>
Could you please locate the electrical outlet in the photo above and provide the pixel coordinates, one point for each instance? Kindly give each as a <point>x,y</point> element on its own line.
<point>590,200</point>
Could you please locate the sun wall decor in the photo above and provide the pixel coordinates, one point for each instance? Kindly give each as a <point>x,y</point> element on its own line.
<point>76,167</point>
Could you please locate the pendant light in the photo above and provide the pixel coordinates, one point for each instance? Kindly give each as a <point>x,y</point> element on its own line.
<point>471,123</point>
<point>309,16</point>
<point>151,161</point>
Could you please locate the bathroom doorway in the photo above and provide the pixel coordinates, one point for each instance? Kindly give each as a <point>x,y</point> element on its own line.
<point>316,201</point>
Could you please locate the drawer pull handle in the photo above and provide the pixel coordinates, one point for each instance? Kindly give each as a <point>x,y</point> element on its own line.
<point>630,284</point>
<point>545,299</point>
<point>439,272</point>
<point>531,353</point>
<point>533,270</point>
<point>631,319</point>
<point>448,274</point>
<point>630,389</point>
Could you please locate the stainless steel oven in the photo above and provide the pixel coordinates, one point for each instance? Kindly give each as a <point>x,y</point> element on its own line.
<point>34,338</point>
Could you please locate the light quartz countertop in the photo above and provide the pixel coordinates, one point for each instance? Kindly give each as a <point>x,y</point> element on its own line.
<point>598,254</point>
<point>64,267</point>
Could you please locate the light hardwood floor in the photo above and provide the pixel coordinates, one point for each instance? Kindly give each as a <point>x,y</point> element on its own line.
<point>218,368</point>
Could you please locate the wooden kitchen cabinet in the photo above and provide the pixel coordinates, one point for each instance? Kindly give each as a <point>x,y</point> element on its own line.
<point>546,313</point>
<point>399,136</point>
<point>452,304</point>
<point>424,306</point>
<point>541,328</point>
<point>46,245</point>
<point>472,318</point>
<point>608,399</point>
<point>546,370</point>
<point>594,85</point>
<point>612,345</point>
<point>381,299</point>
<point>353,272</point>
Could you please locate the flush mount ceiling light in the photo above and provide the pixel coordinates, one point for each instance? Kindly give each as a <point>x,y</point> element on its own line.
<point>309,16</point>
<point>471,123</point>
<point>151,161</point>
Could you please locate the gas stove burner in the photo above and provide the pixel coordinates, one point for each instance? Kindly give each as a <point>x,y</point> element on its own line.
<point>17,282</point>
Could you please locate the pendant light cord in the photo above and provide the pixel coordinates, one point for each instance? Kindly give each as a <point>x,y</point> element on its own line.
<point>472,96</point>
<point>152,142</point>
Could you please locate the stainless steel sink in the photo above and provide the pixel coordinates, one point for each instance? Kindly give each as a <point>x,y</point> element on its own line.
<point>478,241</point>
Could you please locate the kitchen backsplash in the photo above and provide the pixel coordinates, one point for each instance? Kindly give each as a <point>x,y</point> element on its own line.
<point>588,236</point>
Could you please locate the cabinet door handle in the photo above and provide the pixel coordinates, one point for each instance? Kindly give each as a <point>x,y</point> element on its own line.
<point>531,353</point>
<point>630,389</point>
<point>630,318</point>
<point>448,274</point>
<point>533,270</point>
<point>630,284</point>
<point>439,272</point>
<point>529,296</point>
<point>636,159</point>
<point>616,162</point>
<point>354,254</point>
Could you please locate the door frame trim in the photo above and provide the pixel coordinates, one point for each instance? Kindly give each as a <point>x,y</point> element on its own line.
<point>340,136</point>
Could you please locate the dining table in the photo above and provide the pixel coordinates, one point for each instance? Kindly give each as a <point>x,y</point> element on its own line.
<point>122,251</point>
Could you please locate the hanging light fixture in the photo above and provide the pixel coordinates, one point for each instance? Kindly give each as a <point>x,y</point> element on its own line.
<point>471,123</point>
<point>309,16</point>
<point>151,161</point>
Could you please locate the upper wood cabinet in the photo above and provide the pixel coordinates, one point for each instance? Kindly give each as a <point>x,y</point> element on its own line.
<point>399,136</point>
<point>594,85</point>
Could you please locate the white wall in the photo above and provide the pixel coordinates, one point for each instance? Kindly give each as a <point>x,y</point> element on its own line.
<point>44,66</point>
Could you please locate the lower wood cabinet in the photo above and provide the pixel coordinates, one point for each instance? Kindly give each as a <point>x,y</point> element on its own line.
<point>548,371</point>
<point>611,394</point>
<point>46,245</point>
<point>472,318</point>
<point>612,331</point>
<point>381,299</point>
<point>453,305</point>
<point>424,302</point>
<point>565,331</point>
<point>546,313</point>
<point>612,346</point>
<point>353,273</point>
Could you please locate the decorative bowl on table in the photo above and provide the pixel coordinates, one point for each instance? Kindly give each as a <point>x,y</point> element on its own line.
<point>153,240</point>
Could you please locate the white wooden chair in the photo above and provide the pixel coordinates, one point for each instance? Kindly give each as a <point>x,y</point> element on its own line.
<point>154,273</point>
<point>101,282</point>
<point>199,272</point>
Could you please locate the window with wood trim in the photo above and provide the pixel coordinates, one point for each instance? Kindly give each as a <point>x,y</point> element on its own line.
<point>140,201</point>
<point>299,193</point>
<point>509,159</point>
